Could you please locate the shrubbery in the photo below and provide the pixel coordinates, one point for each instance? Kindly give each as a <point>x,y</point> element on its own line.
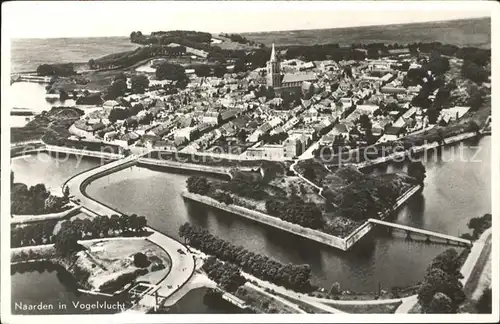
<point>290,276</point>
<point>141,260</point>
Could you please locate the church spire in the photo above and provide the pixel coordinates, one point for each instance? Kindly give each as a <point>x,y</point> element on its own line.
<point>273,54</point>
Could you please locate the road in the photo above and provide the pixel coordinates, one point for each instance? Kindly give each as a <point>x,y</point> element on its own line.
<point>183,262</point>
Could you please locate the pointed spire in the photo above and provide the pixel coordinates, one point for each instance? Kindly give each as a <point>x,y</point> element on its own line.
<point>273,54</point>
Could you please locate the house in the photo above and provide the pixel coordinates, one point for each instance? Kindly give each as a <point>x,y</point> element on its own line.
<point>211,117</point>
<point>291,80</point>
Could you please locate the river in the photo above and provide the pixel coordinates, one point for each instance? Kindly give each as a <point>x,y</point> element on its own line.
<point>31,96</point>
<point>454,192</point>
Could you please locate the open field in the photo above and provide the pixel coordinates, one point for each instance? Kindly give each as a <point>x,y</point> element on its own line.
<point>467,32</point>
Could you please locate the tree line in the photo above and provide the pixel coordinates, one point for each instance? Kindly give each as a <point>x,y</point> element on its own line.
<point>65,69</point>
<point>441,292</point>
<point>73,230</point>
<point>226,275</point>
<point>296,277</point>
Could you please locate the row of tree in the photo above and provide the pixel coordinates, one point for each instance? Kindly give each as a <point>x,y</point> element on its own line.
<point>441,292</point>
<point>65,241</point>
<point>55,69</point>
<point>226,275</point>
<point>172,36</point>
<point>296,277</point>
<point>77,229</point>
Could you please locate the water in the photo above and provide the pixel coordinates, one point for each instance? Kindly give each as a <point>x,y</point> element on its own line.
<point>50,169</point>
<point>454,190</point>
<point>53,287</point>
<point>31,95</point>
<point>193,303</point>
<point>28,54</point>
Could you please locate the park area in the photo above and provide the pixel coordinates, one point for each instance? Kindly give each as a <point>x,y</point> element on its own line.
<point>113,264</point>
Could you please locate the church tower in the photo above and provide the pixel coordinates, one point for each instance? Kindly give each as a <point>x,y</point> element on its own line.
<point>273,71</point>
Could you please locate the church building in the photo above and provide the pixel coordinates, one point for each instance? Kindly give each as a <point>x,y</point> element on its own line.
<point>279,81</point>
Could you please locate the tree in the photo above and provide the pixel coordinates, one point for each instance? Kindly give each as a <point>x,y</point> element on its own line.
<point>438,281</point>
<point>220,70</point>
<point>66,191</point>
<point>365,122</point>
<point>66,240</point>
<point>139,83</point>
<point>141,260</point>
<point>114,222</point>
<point>335,289</point>
<point>440,304</point>
<point>169,71</point>
<point>448,261</point>
<point>117,89</point>
<point>417,171</point>
<point>198,185</point>
<point>202,70</point>
<point>475,100</point>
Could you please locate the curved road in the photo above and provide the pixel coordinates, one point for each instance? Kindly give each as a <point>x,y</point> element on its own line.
<point>183,262</point>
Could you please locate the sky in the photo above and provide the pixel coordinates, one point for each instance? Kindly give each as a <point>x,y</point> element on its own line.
<point>117,18</point>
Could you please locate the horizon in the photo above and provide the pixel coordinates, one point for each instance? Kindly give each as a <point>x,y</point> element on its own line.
<point>272,31</point>
<point>31,22</point>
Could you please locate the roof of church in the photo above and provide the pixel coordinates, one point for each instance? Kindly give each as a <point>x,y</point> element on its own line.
<point>273,54</point>
<point>298,77</point>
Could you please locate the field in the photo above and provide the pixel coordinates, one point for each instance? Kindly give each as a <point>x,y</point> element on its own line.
<point>467,32</point>
<point>27,54</point>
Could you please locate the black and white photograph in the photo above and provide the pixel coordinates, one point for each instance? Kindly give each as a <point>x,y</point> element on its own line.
<point>249,161</point>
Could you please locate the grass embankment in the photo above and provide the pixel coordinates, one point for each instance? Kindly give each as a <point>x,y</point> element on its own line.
<point>477,275</point>
<point>53,124</point>
<point>308,308</point>
<point>262,303</point>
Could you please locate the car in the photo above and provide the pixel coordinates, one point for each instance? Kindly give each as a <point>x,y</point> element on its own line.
<point>180,251</point>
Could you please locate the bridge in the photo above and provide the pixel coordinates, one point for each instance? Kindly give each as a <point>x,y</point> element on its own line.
<point>428,234</point>
<point>29,78</point>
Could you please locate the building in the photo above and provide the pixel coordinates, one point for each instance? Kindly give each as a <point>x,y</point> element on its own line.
<point>273,77</point>
<point>276,80</point>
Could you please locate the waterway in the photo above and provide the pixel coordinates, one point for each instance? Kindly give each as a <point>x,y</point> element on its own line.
<point>53,289</point>
<point>454,191</point>
<point>31,95</point>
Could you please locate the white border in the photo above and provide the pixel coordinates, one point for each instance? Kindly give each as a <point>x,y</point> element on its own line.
<point>378,8</point>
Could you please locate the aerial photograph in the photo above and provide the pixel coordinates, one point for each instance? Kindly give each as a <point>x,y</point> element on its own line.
<point>167,158</point>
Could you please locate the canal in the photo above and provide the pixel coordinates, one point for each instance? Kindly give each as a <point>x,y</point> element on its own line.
<point>455,191</point>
